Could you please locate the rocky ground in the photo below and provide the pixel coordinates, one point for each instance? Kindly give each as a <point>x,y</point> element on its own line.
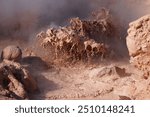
<point>117,80</point>
<point>104,80</point>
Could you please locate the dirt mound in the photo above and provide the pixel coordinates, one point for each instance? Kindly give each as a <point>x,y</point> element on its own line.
<point>138,43</point>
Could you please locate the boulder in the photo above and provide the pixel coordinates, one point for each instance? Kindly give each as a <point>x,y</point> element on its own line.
<point>138,43</point>
<point>11,52</point>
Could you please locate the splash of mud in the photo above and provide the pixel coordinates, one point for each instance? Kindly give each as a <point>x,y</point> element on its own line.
<point>82,39</point>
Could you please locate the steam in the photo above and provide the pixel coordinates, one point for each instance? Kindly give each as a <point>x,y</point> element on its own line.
<point>129,10</point>
<point>124,12</point>
<point>25,17</point>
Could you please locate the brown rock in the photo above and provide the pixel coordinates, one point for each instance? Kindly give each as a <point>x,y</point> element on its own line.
<point>15,81</point>
<point>138,43</point>
<point>114,70</point>
<point>11,52</point>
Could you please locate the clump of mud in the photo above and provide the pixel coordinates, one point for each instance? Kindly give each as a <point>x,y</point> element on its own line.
<point>81,39</point>
<point>138,43</point>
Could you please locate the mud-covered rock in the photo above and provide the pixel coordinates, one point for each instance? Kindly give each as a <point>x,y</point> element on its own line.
<point>138,43</point>
<point>11,52</point>
<point>109,71</point>
<point>15,81</point>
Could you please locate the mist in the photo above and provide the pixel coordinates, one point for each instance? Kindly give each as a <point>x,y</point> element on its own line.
<point>23,18</point>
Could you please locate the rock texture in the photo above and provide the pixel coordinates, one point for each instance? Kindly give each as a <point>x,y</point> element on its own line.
<point>15,81</point>
<point>138,43</point>
<point>11,52</point>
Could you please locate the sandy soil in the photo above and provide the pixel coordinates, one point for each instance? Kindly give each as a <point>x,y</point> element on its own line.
<point>116,81</point>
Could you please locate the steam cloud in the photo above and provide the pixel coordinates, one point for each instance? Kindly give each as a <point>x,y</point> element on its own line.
<point>25,17</point>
